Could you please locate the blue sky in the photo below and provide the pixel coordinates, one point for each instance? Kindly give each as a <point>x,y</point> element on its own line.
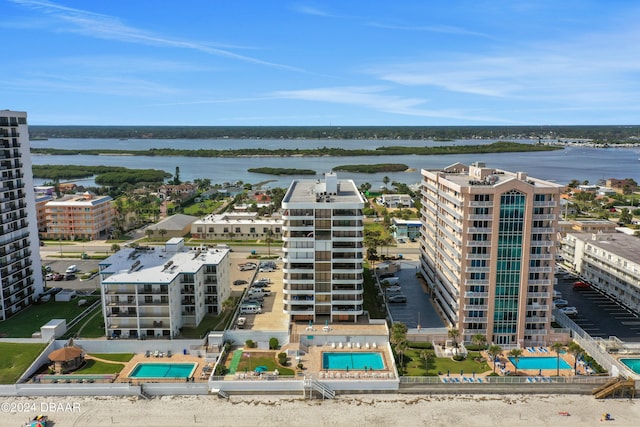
<point>356,62</point>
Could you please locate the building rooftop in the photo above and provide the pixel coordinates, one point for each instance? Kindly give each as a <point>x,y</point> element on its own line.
<point>80,199</point>
<point>327,191</point>
<point>156,264</point>
<point>477,174</point>
<point>620,244</point>
<point>174,222</point>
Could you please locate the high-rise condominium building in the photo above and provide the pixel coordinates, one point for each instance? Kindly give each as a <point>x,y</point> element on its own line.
<point>20,269</point>
<point>323,250</point>
<point>488,251</point>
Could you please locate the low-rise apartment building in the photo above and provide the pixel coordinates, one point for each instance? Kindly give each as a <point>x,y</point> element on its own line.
<point>79,216</point>
<point>236,226</point>
<point>154,292</point>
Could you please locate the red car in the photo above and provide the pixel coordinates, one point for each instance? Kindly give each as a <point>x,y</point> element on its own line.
<point>581,285</point>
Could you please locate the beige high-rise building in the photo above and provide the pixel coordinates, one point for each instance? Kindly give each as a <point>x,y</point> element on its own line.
<point>488,251</point>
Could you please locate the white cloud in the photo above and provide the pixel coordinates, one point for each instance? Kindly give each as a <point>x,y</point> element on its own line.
<point>108,27</point>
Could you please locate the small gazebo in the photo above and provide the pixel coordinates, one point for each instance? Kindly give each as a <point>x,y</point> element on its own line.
<point>66,359</point>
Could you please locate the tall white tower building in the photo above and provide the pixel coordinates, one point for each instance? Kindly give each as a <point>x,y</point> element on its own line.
<point>323,234</point>
<point>20,266</point>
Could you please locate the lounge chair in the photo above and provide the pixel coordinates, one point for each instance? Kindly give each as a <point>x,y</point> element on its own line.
<point>357,345</point>
<point>367,345</point>
<point>333,345</point>
<point>340,345</point>
<point>349,345</point>
<point>147,353</point>
<point>530,380</point>
<point>168,353</point>
<point>374,345</point>
<point>479,380</point>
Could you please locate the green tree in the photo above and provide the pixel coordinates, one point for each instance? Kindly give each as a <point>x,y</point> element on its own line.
<point>494,351</point>
<point>398,333</point>
<point>385,180</point>
<point>269,239</point>
<point>479,339</point>
<point>557,346</point>
<point>425,355</point>
<point>115,247</point>
<point>228,304</point>
<point>401,349</point>
<point>149,233</point>
<point>575,349</point>
<point>625,216</point>
<point>162,232</point>
<point>176,177</point>
<point>516,353</point>
<point>454,334</point>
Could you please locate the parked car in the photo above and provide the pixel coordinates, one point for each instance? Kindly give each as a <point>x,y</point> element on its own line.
<point>267,269</point>
<point>569,311</point>
<point>581,285</point>
<point>49,276</point>
<point>559,303</point>
<point>240,282</point>
<point>392,289</point>
<point>557,294</point>
<point>397,299</point>
<point>246,267</point>
<point>58,277</point>
<point>259,284</point>
<point>386,276</point>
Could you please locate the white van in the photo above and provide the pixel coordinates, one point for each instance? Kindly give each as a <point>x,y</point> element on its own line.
<point>72,269</point>
<point>250,309</point>
<point>255,292</point>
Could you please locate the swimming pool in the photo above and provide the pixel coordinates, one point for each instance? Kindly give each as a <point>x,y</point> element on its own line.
<point>352,360</point>
<point>163,370</point>
<point>633,364</point>
<point>540,363</point>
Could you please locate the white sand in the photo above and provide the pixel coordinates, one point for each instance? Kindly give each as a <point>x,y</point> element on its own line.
<point>351,410</point>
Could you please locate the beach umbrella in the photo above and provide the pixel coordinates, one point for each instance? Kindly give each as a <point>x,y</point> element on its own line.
<point>447,372</point>
<point>461,372</point>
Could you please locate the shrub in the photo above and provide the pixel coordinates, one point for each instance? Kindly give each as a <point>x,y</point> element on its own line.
<point>421,345</point>
<point>273,344</point>
<point>476,347</point>
<point>300,366</point>
<point>458,358</point>
<point>282,358</point>
<point>249,344</point>
<point>220,370</point>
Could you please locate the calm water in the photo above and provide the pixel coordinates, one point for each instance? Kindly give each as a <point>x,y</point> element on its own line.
<point>540,363</point>
<point>163,370</point>
<point>561,166</point>
<point>349,360</point>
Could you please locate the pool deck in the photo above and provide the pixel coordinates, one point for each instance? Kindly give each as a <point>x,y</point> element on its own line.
<point>506,367</point>
<point>176,358</point>
<point>313,363</point>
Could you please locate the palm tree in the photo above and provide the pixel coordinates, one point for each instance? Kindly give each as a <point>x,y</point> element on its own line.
<point>576,351</point>
<point>149,233</point>
<point>557,346</point>
<point>479,340</point>
<point>228,304</point>
<point>398,333</point>
<point>516,353</point>
<point>385,180</point>
<point>424,354</point>
<point>269,240</point>
<point>454,334</point>
<point>162,232</point>
<point>401,349</point>
<point>493,351</point>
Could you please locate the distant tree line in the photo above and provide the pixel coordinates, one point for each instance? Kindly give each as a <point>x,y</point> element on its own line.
<point>105,175</point>
<point>608,134</point>
<point>381,167</point>
<point>282,171</point>
<point>496,147</point>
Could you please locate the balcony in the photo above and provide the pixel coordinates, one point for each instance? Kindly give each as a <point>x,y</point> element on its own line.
<point>474,319</point>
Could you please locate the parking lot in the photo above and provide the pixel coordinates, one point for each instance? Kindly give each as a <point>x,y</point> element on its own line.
<point>84,267</point>
<point>418,309</point>
<point>599,315</point>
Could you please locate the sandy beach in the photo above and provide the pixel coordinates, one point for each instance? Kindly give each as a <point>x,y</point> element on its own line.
<point>347,410</point>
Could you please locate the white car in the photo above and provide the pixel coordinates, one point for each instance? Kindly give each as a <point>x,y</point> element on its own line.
<point>392,289</point>
<point>559,303</point>
<point>569,311</point>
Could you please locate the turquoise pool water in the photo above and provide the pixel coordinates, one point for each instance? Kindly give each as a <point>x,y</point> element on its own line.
<point>540,363</point>
<point>163,370</point>
<point>633,364</point>
<point>348,360</point>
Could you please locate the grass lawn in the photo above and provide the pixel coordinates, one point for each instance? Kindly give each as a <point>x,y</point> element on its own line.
<point>115,357</point>
<point>202,208</point>
<point>91,326</point>
<point>96,367</point>
<point>414,364</point>
<point>32,318</point>
<point>209,323</point>
<point>262,359</point>
<point>15,359</point>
